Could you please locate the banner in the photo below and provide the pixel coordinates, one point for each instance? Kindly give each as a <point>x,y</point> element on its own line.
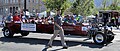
<point>28,27</point>
<point>84,28</point>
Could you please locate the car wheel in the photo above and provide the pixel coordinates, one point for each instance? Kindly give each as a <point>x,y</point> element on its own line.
<point>8,33</point>
<point>110,36</point>
<point>24,33</point>
<point>99,38</point>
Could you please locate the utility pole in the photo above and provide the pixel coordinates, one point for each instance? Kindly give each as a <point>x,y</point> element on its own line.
<point>24,5</point>
<point>19,8</point>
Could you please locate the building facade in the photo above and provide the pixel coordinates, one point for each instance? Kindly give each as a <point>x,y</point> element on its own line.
<point>10,6</point>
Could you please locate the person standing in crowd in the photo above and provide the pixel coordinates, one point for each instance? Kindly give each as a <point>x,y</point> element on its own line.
<point>96,18</point>
<point>24,19</point>
<point>74,21</point>
<point>58,30</point>
<point>66,19</point>
<point>78,18</point>
<point>3,19</point>
<point>9,18</point>
<point>16,17</point>
<point>118,21</point>
<point>113,21</point>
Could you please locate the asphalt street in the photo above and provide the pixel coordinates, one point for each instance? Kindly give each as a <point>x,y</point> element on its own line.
<point>37,42</point>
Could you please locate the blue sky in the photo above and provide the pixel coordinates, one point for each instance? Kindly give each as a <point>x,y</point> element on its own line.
<point>98,3</point>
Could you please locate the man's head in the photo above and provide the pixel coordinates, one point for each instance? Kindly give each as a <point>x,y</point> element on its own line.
<point>58,12</point>
<point>16,13</point>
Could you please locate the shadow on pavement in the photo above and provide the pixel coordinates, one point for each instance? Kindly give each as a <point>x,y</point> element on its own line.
<point>45,49</point>
<point>35,41</point>
<point>75,36</point>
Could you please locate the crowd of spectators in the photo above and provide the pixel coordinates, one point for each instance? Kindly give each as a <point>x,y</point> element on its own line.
<point>22,18</point>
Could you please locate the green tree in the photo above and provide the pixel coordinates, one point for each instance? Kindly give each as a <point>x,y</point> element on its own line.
<point>57,4</point>
<point>83,7</point>
<point>106,5</point>
<point>115,5</point>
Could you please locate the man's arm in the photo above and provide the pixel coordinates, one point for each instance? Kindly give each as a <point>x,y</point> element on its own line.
<point>57,25</point>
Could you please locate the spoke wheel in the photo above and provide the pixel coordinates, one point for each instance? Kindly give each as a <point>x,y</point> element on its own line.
<point>99,38</point>
<point>7,33</point>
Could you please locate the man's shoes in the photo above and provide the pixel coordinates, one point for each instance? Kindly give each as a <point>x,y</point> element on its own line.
<point>65,47</point>
<point>48,46</point>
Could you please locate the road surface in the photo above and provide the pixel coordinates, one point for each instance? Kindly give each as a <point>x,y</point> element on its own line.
<point>37,42</point>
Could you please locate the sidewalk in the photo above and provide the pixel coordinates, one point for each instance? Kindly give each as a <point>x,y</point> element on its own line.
<point>116,30</point>
<point>1,29</point>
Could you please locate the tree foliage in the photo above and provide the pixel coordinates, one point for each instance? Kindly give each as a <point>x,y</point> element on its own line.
<point>83,7</point>
<point>57,4</point>
<point>105,4</point>
<point>114,5</point>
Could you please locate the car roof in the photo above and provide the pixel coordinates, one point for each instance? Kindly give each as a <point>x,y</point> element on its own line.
<point>107,11</point>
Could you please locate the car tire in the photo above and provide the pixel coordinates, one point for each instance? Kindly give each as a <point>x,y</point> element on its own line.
<point>24,33</point>
<point>110,36</point>
<point>8,33</point>
<point>99,38</point>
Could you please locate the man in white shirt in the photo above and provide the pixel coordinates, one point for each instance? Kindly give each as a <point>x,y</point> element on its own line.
<point>118,21</point>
